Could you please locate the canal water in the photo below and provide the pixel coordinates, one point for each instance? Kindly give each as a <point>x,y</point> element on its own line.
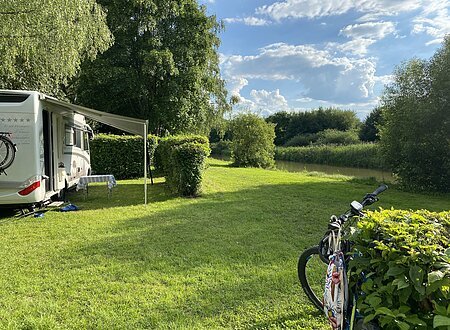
<point>283,165</point>
<point>328,169</point>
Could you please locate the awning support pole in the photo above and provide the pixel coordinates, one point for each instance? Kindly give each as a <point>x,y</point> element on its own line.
<point>145,163</point>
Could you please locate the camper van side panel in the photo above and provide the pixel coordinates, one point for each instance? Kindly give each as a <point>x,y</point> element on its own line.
<point>24,121</point>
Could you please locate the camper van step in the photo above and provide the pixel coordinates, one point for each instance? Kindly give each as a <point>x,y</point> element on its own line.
<point>55,204</point>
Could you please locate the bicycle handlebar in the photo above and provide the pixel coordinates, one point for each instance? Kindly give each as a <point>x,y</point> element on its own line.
<point>367,200</point>
<point>380,189</point>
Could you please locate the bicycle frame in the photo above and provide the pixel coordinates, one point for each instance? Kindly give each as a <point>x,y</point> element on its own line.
<point>333,250</point>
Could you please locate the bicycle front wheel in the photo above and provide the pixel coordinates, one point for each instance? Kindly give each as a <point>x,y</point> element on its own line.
<point>311,273</point>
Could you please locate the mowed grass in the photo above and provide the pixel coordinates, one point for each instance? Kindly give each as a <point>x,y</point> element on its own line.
<point>224,260</point>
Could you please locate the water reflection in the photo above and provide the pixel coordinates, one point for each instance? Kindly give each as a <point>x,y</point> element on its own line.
<point>350,171</point>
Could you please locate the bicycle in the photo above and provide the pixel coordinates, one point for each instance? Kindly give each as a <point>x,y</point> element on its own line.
<point>7,151</point>
<point>331,257</point>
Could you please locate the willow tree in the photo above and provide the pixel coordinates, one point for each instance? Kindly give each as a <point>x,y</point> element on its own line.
<point>43,42</point>
<point>163,67</point>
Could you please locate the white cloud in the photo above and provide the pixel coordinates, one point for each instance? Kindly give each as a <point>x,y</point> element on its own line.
<point>368,30</point>
<point>356,47</point>
<point>317,73</point>
<point>321,8</point>
<point>432,18</point>
<point>235,84</point>
<point>263,102</point>
<point>385,80</point>
<point>363,36</point>
<point>434,21</point>
<point>251,21</point>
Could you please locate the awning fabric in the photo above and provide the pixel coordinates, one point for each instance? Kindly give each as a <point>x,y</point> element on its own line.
<point>127,124</point>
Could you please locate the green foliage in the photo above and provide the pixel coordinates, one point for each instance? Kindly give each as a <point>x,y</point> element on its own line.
<point>221,148</point>
<point>369,131</point>
<point>293,124</point>
<point>365,155</point>
<point>327,136</point>
<point>415,136</point>
<point>189,161</point>
<point>166,145</point>
<point>182,160</point>
<point>163,66</point>
<point>122,156</point>
<point>281,120</point>
<point>226,261</point>
<point>252,141</point>
<point>405,257</point>
<point>42,43</point>
<point>302,140</point>
<point>336,137</point>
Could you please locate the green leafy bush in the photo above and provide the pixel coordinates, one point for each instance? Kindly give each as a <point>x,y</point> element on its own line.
<point>188,160</point>
<point>364,155</point>
<point>291,124</point>
<point>302,140</point>
<point>335,137</point>
<point>166,145</point>
<point>182,159</point>
<point>415,134</point>
<point>122,156</point>
<point>405,257</point>
<point>252,141</point>
<point>221,148</point>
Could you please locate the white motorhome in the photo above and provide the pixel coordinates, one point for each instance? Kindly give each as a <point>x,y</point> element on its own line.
<point>51,148</point>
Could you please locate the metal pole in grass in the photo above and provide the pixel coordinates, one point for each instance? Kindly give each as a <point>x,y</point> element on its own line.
<point>145,161</point>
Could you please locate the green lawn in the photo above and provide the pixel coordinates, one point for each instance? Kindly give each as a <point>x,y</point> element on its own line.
<point>225,260</point>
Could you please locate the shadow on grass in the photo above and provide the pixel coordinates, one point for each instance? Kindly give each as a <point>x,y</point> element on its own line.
<point>229,251</point>
<point>7,213</point>
<point>225,260</point>
<point>124,194</point>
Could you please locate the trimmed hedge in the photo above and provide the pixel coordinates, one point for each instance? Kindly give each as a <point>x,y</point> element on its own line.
<point>182,160</point>
<point>405,259</point>
<point>122,156</point>
<point>364,155</point>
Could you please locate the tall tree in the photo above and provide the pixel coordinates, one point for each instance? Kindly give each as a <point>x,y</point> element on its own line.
<point>43,42</point>
<point>163,67</point>
<point>415,136</point>
<point>281,120</point>
<point>369,131</point>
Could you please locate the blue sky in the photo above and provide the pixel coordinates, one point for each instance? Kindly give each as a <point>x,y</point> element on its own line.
<point>296,55</point>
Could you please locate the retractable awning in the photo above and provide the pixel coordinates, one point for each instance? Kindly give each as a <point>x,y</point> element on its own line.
<point>127,124</point>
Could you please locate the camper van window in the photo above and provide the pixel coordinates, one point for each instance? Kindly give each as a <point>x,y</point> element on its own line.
<point>86,141</point>
<point>78,138</point>
<point>13,98</point>
<point>69,136</point>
